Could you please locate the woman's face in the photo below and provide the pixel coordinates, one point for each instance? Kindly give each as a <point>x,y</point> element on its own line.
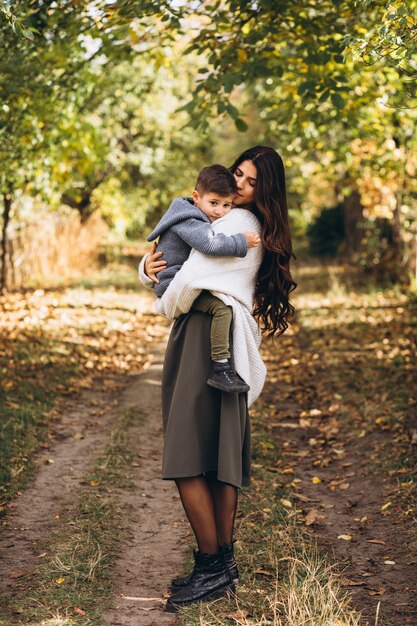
<point>245,175</point>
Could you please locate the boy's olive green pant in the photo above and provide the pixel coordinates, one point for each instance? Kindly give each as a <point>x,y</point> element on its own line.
<point>222,316</point>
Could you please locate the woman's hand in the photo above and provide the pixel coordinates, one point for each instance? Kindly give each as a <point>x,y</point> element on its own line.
<point>152,266</point>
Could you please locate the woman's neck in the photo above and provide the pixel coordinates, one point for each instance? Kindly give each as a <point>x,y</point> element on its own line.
<point>248,207</point>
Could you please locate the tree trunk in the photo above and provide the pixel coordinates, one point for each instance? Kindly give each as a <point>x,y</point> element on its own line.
<point>353,214</point>
<point>7,206</point>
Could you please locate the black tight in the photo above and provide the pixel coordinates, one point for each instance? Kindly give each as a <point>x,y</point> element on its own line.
<point>210,506</point>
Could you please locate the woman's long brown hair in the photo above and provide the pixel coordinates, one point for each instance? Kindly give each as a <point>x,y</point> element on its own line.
<point>274,283</point>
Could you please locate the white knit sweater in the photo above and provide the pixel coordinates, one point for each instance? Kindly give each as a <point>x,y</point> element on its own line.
<point>232,280</point>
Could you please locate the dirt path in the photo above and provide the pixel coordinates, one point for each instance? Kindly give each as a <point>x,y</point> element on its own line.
<point>155,552</point>
<point>80,435</point>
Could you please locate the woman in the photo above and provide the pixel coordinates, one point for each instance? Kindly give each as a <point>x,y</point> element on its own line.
<point>207,433</point>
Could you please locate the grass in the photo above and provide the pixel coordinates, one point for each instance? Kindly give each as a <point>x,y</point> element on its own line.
<point>74,586</point>
<point>26,415</point>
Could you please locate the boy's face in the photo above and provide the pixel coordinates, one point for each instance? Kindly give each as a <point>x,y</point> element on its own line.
<point>212,204</point>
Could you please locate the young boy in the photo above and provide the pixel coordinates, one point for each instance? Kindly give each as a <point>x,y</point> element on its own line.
<point>186,225</point>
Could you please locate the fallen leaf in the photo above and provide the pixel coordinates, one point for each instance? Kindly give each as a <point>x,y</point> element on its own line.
<point>286,503</point>
<point>313,516</point>
<point>389,562</point>
<point>386,505</point>
<point>380,592</point>
<point>378,541</point>
<point>79,611</point>
<point>345,537</point>
<point>303,498</point>
<point>60,580</point>
<point>18,573</point>
<point>316,480</point>
<point>238,615</point>
<point>347,582</point>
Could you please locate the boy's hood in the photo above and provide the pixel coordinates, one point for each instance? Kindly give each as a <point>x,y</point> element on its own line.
<point>179,210</point>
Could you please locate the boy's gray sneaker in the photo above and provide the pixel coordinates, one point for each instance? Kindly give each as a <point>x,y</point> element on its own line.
<point>225,378</point>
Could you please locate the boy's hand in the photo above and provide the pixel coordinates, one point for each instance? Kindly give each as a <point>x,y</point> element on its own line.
<point>252,239</point>
<point>152,266</point>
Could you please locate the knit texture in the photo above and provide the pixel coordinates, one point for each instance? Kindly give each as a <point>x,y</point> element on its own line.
<point>184,227</point>
<point>232,281</point>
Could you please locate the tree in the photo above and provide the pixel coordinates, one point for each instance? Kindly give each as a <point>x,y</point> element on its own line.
<point>44,79</point>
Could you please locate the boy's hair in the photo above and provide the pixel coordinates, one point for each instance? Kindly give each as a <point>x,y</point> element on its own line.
<point>216,179</point>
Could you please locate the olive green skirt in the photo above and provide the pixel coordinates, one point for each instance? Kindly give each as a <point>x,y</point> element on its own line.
<point>205,430</point>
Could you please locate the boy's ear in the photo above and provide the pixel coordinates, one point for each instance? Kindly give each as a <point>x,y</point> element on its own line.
<point>195,195</point>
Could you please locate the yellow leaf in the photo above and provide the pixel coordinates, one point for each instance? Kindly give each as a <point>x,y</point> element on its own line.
<point>242,55</point>
<point>316,480</point>
<point>60,580</point>
<point>93,483</point>
<point>385,506</point>
<point>286,502</point>
<point>345,537</point>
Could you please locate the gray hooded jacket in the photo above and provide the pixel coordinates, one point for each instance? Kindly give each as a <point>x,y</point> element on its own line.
<point>184,227</point>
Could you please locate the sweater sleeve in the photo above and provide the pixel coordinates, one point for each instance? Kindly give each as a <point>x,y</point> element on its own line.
<point>200,236</point>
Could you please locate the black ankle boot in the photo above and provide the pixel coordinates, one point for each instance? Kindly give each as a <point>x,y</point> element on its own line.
<point>211,579</point>
<point>181,581</point>
<point>224,377</point>
<point>229,559</point>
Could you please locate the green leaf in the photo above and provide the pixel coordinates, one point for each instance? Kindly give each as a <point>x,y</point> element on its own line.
<point>241,125</point>
<point>228,84</point>
<point>26,32</point>
<point>232,110</point>
<point>337,100</point>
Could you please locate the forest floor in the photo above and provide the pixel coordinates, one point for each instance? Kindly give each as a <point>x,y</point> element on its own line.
<point>91,535</point>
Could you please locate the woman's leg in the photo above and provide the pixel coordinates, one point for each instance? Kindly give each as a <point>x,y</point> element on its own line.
<point>197,500</point>
<point>224,498</point>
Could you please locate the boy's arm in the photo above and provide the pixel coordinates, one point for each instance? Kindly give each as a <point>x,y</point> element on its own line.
<point>200,236</point>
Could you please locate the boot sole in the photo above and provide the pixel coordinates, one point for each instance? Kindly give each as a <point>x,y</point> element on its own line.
<point>170,607</point>
<point>227,389</point>
<point>175,588</point>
